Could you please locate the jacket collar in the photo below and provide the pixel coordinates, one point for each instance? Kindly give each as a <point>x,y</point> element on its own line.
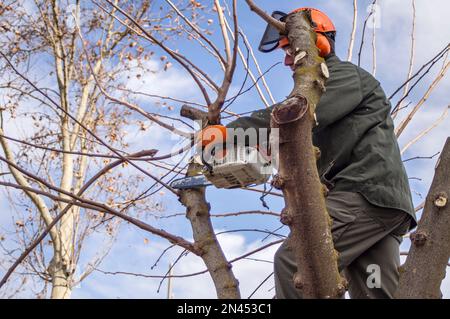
<point>332,60</point>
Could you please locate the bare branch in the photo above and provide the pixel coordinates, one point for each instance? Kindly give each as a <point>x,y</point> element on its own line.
<point>426,131</point>
<point>78,201</point>
<point>353,33</point>
<point>280,26</point>
<point>84,126</point>
<point>411,56</point>
<point>160,44</point>
<point>201,34</point>
<point>401,127</point>
<point>372,11</point>
<point>420,278</point>
<point>430,63</point>
<point>193,113</point>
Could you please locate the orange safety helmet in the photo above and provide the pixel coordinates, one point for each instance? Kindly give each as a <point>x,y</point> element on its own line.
<point>322,25</point>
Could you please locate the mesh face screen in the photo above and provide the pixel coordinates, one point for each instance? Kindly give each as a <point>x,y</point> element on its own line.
<point>270,38</point>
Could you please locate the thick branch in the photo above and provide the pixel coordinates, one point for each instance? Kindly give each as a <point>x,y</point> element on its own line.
<point>21,180</point>
<point>193,114</point>
<point>305,212</point>
<point>425,266</point>
<point>353,33</point>
<point>197,211</point>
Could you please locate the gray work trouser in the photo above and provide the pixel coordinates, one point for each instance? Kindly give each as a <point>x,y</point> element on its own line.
<point>367,238</point>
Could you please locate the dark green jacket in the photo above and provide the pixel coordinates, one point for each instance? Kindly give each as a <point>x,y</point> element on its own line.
<point>355,134</point>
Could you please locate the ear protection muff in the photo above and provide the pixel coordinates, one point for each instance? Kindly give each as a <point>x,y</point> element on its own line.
<point>323,44</point>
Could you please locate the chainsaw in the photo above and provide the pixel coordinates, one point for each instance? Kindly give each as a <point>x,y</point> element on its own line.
<point>241,166</point>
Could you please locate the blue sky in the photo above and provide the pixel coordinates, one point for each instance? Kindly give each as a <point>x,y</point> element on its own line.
<point>131,253</point>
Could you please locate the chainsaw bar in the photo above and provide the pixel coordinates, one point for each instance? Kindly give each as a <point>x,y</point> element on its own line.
<point>190,182</point>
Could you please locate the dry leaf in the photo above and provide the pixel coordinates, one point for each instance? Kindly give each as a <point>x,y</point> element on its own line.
<point>167,66</point>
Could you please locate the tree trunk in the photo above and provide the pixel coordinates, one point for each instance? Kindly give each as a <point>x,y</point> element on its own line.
<point>197,211</point>
<point>305,210</point>
<point>426,264</point>
<point>61,286</point>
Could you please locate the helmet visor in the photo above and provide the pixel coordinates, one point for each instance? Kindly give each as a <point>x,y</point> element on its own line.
<point>271,36</point>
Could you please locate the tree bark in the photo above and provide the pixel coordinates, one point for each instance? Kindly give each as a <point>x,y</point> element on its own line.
<point>305,212</point>
<point>425,266</point>
<point>197,211</point>
<point>61,286</point>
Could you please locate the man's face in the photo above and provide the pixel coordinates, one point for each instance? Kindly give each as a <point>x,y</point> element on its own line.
<point>289,58</point>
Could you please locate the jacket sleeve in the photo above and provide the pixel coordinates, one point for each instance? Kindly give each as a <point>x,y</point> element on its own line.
<point>344,92</point>
<point>259,119</point>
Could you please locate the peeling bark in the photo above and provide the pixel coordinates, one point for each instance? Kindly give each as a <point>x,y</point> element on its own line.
<point>425,266</point>
<point>197,211</point>
<point>305,212</point>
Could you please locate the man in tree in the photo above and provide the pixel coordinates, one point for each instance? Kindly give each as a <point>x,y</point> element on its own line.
<point>369,199</point>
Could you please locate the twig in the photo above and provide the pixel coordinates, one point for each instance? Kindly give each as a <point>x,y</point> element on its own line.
<point>411,56</point>
<point>60,215</point>
<point>353,33</point>
<point>81,124</point>
<point>160,44</point>
<point>161,256</point>
<point>105,209</point>
<point>263,78</point>
<point>183,253</point>
<point>260,285</point>
<point>245,62</point>
<point>268,232</point>
<point>261,191</point>
<point>374,48</point>
<point>364,32</point>
<point>432,61</point>
<point>251,212</point>
<point>201,34</point>
<point>401,127</point>
<point>426,131</point>
<point>280,26</point>
<point>421,157</point>
<point>223,28</point>
<point>251,86</point>
<point>191,274</point>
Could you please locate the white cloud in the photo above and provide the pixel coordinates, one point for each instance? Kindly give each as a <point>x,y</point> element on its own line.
<point>174,82</point>
<point>138,257</point>
<point>250,273</point>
